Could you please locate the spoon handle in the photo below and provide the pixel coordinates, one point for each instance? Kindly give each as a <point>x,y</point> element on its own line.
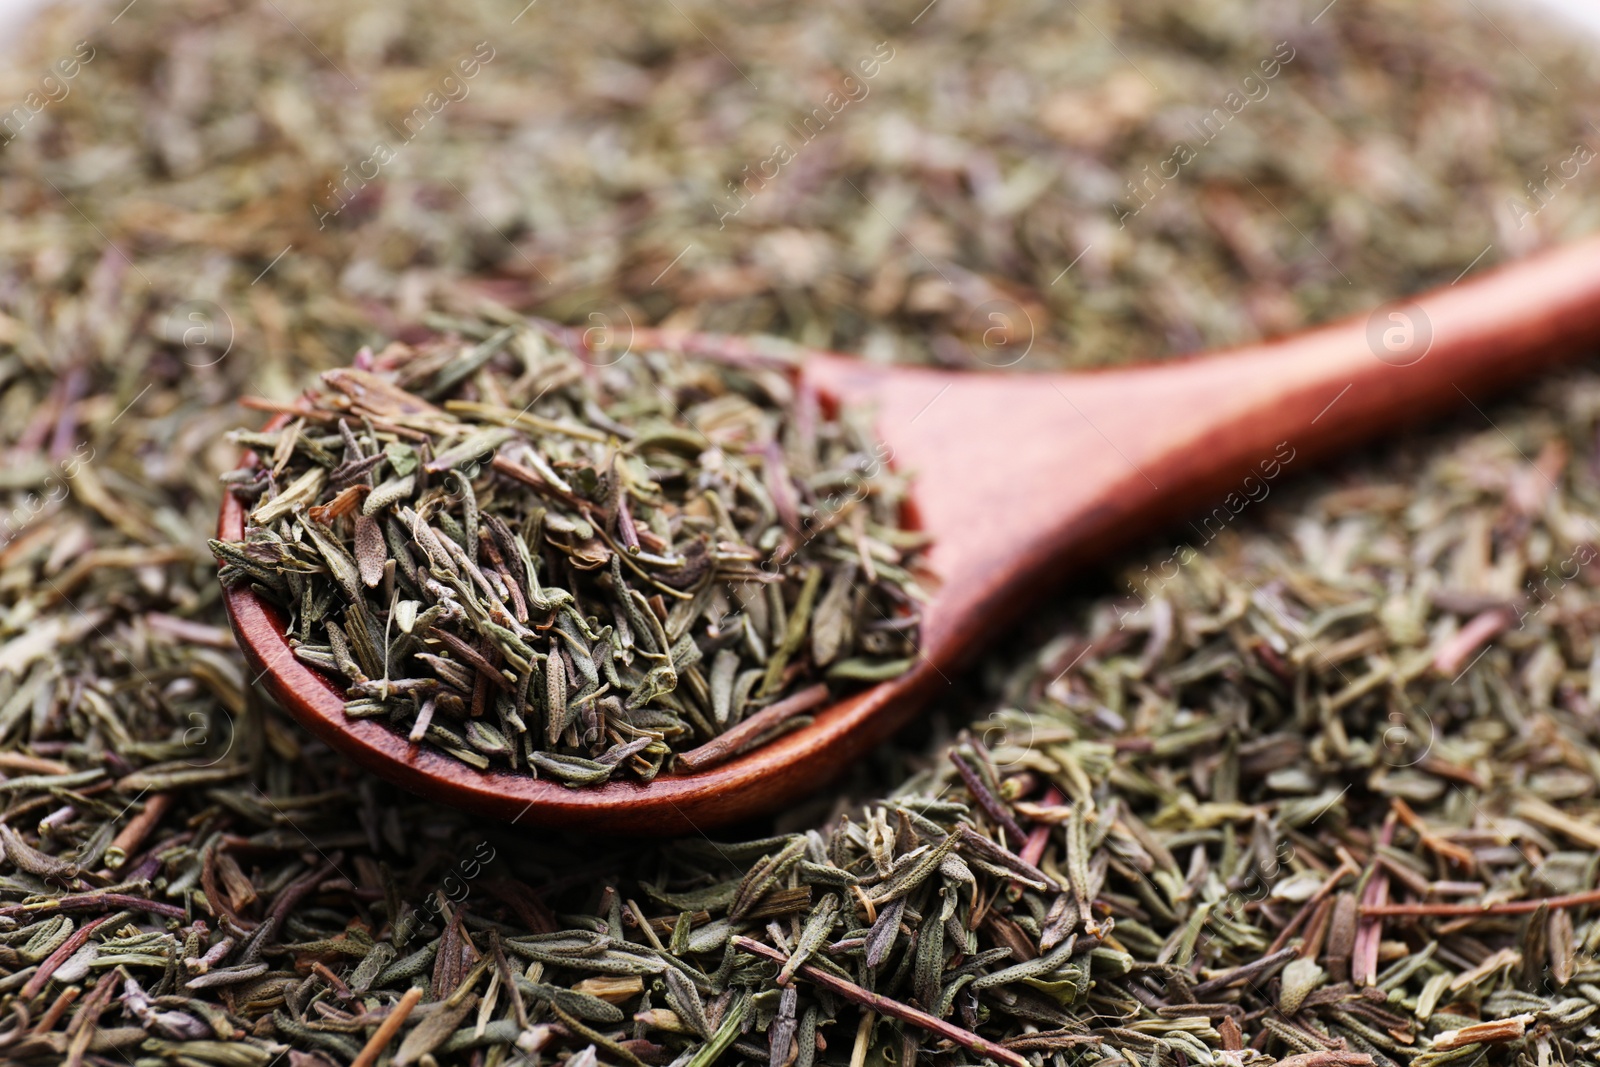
<point>1450,348</point>
<point>1022,477</point>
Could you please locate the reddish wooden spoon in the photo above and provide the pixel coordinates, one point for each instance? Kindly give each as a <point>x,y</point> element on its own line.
<point>1020,478</point>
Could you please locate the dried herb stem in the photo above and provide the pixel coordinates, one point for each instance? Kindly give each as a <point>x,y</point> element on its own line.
<point>885,1006</point>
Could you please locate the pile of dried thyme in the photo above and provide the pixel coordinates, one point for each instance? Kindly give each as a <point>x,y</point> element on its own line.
<point>536,561</point>
<point>190,879</point>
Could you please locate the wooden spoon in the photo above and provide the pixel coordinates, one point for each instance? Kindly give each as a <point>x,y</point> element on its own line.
<point>1020,478</point>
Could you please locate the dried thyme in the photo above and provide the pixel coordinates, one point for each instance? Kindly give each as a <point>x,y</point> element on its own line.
<point>534,561</point>
<point>178,176</point>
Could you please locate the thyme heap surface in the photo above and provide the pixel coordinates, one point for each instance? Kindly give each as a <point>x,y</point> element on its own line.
<point>533,561</point>
<point>190,879</point>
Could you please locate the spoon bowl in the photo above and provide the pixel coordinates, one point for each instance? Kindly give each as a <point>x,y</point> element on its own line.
<point>1020,478</point>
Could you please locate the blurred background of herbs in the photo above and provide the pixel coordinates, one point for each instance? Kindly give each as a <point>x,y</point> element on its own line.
<point>170,243</point>
<point>593,167</point>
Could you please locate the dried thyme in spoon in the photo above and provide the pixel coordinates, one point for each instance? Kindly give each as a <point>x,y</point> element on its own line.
<point>532,561</point>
